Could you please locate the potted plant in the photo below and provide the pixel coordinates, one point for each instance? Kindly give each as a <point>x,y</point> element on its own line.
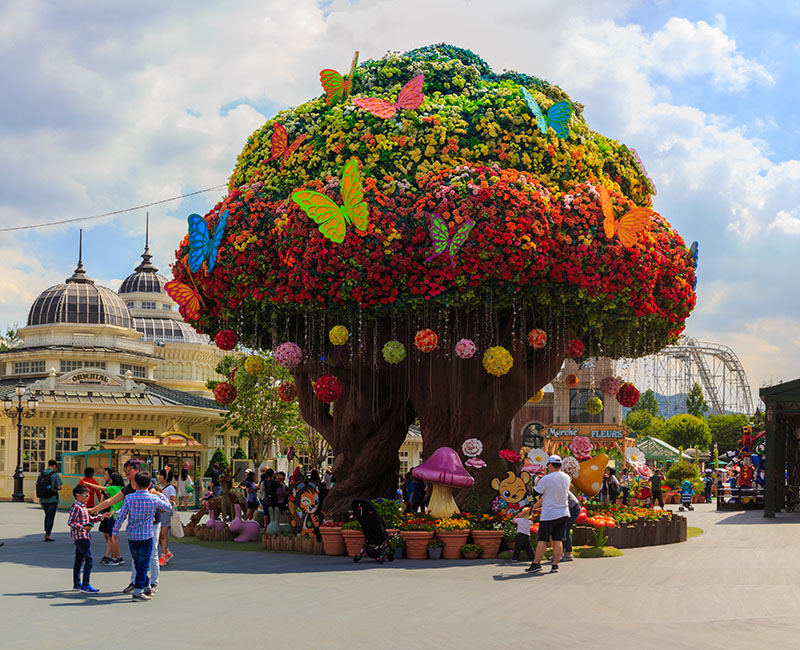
<point>417,531</point>
<point>397,544</point>
<point>332,540</point>
<point>391,511</point>
<point>353,537</point>
<point>471,551</point>
<point>453,532</point>
<point>488,531</point>
<point>435,547</point>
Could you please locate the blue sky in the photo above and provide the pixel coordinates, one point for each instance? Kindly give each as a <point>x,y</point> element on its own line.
<point>114,105</point>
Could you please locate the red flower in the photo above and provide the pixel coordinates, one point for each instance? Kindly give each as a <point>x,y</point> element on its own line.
<point>510,456</point>
<point>226,339</point>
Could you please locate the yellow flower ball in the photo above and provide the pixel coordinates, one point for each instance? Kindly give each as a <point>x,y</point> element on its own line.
<point>339,335</point>
<point>254,365</point>
<point>497,360</point>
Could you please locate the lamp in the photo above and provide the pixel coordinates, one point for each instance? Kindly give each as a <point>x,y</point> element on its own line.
<point>8,403</point>
<point>19,389</point>
<point>17,412</point>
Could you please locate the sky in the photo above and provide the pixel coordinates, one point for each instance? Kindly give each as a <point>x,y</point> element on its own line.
<point>113,105</point>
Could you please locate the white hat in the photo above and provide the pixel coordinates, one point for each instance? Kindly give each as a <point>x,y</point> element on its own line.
<point>555,460</point>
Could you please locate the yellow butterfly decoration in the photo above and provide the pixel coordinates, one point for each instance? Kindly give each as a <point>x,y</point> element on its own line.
<point>628,226</point>
<point>334,219</point>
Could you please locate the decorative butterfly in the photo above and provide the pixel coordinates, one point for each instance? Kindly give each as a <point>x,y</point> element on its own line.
<point>202,246</point>
<point>440,234</point>
<point>651,186</point>
<point>280,144</point>
<point>628,226</point>
<point>409,99</point>
<point>336,86</point>
<point>694,251</point>
<point>558,115</point>
<point>186,297</point>
<point>333,219</point>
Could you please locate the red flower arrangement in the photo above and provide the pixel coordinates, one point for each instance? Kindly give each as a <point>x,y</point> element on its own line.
<point>537,339</point>
<point>224,393</point>
<point>628,395</point>
<point>226,339</point>
<point>327,388</point>
<point>510,456</point>
<point>426,340</point>
<point>575,348</point>
<point>287,391</point>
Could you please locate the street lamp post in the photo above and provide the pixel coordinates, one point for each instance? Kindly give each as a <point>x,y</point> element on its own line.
<point>18,411</point>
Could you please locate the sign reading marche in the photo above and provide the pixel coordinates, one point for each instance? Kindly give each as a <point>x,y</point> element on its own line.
<point>600,432</point>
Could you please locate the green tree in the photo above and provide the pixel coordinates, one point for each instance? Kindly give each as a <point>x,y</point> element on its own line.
<point>680,471</point>
<point>726,430</point>
<point>10,339</point>
<point>648,404</point>
<point>687,431</point>
<point>695,402</point>
<point>643,423</point>
<point>239,454</point>
<point>218,457</point>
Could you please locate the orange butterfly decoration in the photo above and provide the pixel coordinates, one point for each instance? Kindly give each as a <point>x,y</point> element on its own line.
<point>409,99</point>
<point>280,144</point>
<point>186,297</point>
<point>628,226</point>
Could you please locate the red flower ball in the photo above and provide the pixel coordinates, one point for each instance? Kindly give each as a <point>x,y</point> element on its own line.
<point>510,456</point>
<point>287,391</point>
<point>575,348</point>
<point>327,388</point>
<point>571,380</point>
<point>426,340</point>
<point>628,395</point>
<point>225,393</point>
<point>226,339</point>
<point>537,339</point>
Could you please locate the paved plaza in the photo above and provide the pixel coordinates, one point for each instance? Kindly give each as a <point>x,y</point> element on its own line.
<point>734,586</point>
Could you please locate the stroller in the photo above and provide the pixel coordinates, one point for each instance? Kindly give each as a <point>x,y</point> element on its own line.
<point>687,492</point>
<point>376,541</point>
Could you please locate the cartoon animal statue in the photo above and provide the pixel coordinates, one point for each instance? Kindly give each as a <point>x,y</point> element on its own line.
<point>275,527</point>
<point>590,475</point>
<point>245,531</point>
<point>306,502</point>
<point>214,523</point>
<point>211,505</point>
<point>230,497</point>
<point>512,491</point>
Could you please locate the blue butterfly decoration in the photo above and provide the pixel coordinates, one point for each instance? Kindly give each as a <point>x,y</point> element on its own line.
<point>558,115</point>
<point>694,251</point>
<point>202,246</point>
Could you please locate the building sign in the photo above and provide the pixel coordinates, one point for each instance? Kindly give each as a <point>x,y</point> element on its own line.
<point>175,441</point>
<point>88,377</point>
<point>596,432</point>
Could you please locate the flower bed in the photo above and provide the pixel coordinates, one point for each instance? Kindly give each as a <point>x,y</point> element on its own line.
<point>633,527</point>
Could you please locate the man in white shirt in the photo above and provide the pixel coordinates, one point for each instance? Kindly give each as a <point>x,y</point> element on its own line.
<point>553,502</point>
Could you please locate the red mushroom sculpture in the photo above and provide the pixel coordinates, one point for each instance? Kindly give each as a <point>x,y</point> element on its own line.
<point>445,470</point>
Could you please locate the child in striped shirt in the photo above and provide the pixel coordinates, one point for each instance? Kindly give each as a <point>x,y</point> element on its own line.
<point>80,526</point>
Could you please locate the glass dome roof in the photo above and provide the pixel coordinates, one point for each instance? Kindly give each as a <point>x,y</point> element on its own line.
<point>145,277</point>
<point>167,330</point>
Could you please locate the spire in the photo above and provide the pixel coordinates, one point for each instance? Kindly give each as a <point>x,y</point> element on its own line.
<point>79,274</point>
<point>146,264</point>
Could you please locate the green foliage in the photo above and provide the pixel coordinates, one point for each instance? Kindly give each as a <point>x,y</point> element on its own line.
<point>10,339</point>
<point>218,457</point>
<point>351,525</point>
<point>239,454</point>
<point>680,471</point>
<point>687,431</point>
<point>726,430</point>
<point>435,543</point>
<point>642,424</point>
<point>695,402</point>
<point>390,510</point>
<point>647,404</point>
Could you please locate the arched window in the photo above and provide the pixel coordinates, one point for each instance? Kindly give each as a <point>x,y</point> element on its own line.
<point>532,435</point>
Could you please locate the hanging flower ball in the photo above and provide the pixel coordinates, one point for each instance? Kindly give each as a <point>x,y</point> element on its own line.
<point>497,360</point>
<point>394,351</point>
<point>594,405</point>
<point>472,447</point>
<point>538,397</point>
<point>338,335</point>
<point>254,365</point>
<point>288,355</point>
<point>571,380</point>
<point>465,349</point>
<point>426,340</point>
<point>287,391</point>
<point>327,388</point>
<point>575,348</point>
<point>610,386</point>
<point>537,339</point>
<point>628,395</point>
<point>224,393</point>
<point>226,339</point>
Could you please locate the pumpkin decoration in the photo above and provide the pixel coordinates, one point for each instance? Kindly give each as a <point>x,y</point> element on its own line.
<point>465,349</point>
<point>254,365</point>
<point>537,339</point>
<point>338,335</point>
<point>571,380</point>
<point>225,393</point>
<point>575,348</point>
<point>497,360</point>
<point>328,388</point>
<point>226,339</point>
<point>426,340</point>
<point>288,355</point>
<point>287,391</point>
<point>394,351</point>
<point>590,475</point>
<point>628,395</point>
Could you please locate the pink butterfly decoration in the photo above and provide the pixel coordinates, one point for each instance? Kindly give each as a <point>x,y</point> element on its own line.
<point>409,99</point>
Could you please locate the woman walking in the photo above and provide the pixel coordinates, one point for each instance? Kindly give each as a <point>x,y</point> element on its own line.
<point>185,489</point>
<point>168,490</point>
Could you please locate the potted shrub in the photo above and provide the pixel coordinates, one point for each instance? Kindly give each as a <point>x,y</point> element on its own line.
<point>397,544</point>
<point>391,511</point>
<point>417,531</point>
<point>453,532</point>
<point>353,537</point>
<point>488,532</point>
<point>471,551</point>
<point>435,547</point>
<point>332,540</point>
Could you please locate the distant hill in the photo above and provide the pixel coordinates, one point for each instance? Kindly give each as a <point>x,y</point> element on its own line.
<point>668,405</point>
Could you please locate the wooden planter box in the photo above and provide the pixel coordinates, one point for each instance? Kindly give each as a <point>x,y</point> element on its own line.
<point>212,535</point>
<point>292,544</point>
<point>666,530</point>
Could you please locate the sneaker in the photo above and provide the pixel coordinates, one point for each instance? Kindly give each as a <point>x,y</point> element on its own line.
<point>76,587</point>
<point>141,596</point>
<point>148,592</point>
<point>88,589</point>
<point>169,555</point>
<point>116,561</point>
<point>49,539</point>
<point>567,558</point>
<point>106,560</point>
<point>554,568</point>
<point>128,589</point>
<point>162,560</point>
<point>534,568</point>
<point>154,588</point>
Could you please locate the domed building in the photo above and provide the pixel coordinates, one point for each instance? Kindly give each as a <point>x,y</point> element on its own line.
<point>112,370</point>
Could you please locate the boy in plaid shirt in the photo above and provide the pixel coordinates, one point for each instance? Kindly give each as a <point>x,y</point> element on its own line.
<point>140,509</point>
<point>80,525</point>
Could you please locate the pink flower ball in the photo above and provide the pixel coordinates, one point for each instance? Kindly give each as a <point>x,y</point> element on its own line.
<point>465,349</point>
<point>581,446</point>
<point>610,385</point>
<point>288,355</point>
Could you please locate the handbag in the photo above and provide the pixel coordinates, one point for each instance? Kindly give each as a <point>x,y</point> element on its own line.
<point>189,487</point>
<point>175,525</point>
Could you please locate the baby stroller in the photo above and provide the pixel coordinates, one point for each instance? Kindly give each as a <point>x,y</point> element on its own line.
<point>376,541</point>
<point>687,491</point>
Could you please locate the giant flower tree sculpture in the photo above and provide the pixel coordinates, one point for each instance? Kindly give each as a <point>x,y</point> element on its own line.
<point>435,213</point>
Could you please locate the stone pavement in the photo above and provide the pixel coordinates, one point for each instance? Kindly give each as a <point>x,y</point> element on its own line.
<point>736,586</point>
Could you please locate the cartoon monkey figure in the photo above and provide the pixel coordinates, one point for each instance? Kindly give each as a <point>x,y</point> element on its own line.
<point>512,493</point>
<point>306,503</point>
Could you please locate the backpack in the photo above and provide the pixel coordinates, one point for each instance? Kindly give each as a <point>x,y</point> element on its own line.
<point>44,485</point>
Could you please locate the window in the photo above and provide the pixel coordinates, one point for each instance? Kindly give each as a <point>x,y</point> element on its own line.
<point>577,406</point>
<point>166,307</point>
<point>403,462</point>
<point>219,442</point>
<point>142,432</point>
<point>129,305</point>
<point>304,461</point>
<point>66,440</point>
<point>71,364</point>
<point>532,436</point>
<point>2,449</point>
<point>28,367</point>
<point>136,371</point>
<point>109,434</point>
<point>34,449</point>
<point>234,445</point>
<point>148,305</point>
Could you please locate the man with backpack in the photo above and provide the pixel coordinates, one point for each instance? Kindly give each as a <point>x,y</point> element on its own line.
<point>48,485</point>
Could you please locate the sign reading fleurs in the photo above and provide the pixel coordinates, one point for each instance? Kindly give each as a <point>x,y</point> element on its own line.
<point>566,432</point>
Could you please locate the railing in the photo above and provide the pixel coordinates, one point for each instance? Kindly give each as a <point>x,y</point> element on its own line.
<point>77,340</point>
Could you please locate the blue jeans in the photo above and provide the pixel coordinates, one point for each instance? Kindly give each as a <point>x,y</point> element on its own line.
<point>574,511</point>
<point>141,551</point>
<point>49,517</point>
<point>155,570</point>
<point>83,556</point>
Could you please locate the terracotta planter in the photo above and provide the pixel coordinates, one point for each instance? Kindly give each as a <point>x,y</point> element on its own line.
<point>417,543</point>
<point>332,540</point>
<point>353,540</point>
<point>472,555</point>
<point>453,541</point>
<point>490,540</point>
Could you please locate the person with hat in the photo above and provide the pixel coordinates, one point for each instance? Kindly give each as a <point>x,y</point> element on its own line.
<point>553,501</point>
<point>708,481</point>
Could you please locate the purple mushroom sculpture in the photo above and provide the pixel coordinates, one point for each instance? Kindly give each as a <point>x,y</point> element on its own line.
<point>445,470</point>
